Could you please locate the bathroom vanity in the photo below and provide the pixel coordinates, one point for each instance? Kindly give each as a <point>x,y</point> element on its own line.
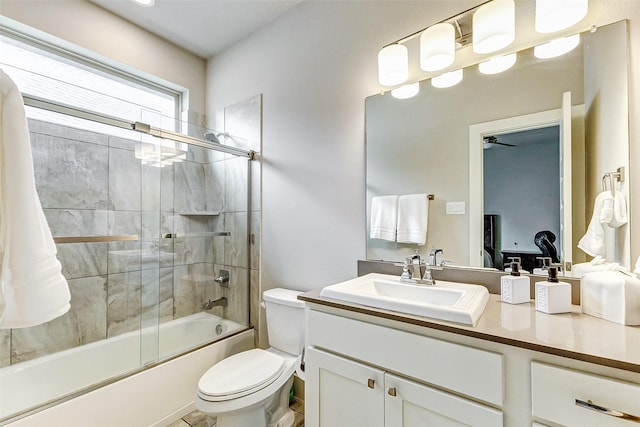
<point>516,367</point>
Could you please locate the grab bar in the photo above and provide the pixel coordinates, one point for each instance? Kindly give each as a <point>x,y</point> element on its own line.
<point>97,239</point>
<point>202,234</point>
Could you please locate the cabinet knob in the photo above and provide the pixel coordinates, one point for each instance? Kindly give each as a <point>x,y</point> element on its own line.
<point>392,391</point>
<point>371,383</point>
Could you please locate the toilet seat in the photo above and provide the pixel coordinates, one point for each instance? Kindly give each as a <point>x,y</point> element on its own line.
<point>240,375</point>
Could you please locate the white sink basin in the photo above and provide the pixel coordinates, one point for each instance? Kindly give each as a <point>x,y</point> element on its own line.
<point>452,301</point>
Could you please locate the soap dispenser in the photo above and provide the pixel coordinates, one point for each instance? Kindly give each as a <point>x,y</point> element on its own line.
<point>514,288</point>
<point>553,296</point>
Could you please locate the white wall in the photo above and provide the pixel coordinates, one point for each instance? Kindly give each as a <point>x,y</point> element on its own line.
<point>314,66</point>
<point>90,27</point>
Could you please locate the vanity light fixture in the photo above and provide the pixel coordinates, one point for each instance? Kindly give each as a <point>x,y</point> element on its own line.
<point>406,91</point>
<point>437,47</point>
<point>449,79</point>
<point>145,3</point>
<point>494,26</point>
<point>556,15</point>
<point>498,64</point>
<point>556,47</point>
<point>393,65</point>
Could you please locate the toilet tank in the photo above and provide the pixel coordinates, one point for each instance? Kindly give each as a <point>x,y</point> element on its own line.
<point>285,320</point>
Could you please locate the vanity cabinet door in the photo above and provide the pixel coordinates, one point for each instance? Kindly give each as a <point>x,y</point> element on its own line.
<point>341,392</point>
<point>409,404</point>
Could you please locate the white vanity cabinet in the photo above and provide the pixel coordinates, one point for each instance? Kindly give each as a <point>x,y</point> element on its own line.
<point>343,392</point>
<point>362,374</point>
<point>572,398</point>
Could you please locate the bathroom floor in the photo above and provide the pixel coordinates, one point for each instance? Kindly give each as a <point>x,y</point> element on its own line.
<point>198,419</point>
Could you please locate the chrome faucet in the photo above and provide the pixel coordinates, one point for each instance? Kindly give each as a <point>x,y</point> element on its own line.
<point>215,303</point>
<point>411,272</point>
<point>433,257</point>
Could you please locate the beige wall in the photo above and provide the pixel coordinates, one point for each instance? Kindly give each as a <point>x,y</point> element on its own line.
<point>91,27</point>
<point>314,67</point>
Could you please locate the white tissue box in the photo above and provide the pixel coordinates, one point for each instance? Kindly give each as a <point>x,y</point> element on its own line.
<point>611,295</point>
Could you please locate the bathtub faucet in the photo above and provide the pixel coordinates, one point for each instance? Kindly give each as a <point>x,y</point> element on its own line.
<point>216,303</point>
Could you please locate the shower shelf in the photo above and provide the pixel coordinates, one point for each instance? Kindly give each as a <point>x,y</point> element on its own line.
<point>199,213</point>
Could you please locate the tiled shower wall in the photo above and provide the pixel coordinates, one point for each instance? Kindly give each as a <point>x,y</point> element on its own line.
<point>92,184</point>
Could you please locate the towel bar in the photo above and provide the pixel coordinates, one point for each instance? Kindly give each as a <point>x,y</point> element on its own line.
<point>202,234</point>
<point>97,239</point>
<point>617,176</point>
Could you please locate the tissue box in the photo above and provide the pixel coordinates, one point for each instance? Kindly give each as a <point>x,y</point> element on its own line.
<point>611,295</point>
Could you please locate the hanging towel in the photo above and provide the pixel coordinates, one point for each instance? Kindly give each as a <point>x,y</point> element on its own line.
<point>384,214</point>
<point>592,242</point>
<point>32,287</point>
<point>413,214</point>
<point>619,216</point>
<point>608,210</point>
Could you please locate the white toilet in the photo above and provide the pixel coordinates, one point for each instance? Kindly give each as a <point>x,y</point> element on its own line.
<point>251,389</point>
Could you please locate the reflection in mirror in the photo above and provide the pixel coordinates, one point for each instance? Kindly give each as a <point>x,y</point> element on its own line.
<point>422,145</point>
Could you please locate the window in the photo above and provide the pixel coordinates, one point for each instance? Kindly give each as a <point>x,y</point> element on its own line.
<point>44,71</point>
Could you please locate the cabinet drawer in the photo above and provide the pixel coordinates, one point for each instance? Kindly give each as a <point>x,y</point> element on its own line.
<point>472,372</point>
<point>578,399</point>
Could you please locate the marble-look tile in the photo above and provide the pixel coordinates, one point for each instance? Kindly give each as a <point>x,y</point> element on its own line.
<point>196,188</point>
<point>193,285</point>
<point>235,246</point>
<point>125,186</point>
<point>124,222</point>
<point>238,295</point>
<point>85,322</point>
<point>167,188</point>
<point>214,194</point>
<point>83,259</point>
<point>124,303</point>
<point>243,120</point>
<point>255,241</point>
<point>66,132</point>
<point>5,347</point>
<point>215,245</point>
<point>199,419</point>
<point>151,187</point>
<point>124,256</point>
<point>235,185</point>
<point>189,247</point>
<point>72,222</point>
<point>157,291</point>
<point>70,174</point>
<point>203,155</point>
<point>125,143</point>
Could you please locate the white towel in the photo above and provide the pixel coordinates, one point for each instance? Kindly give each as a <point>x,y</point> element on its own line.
<point>637,269</point>
<point>413,215</point>
<point>32,287</point>
<point>608,210</point>
<point>384,214</point>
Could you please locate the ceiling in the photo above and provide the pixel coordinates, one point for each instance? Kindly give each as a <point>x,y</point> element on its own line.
<point>204,27</point>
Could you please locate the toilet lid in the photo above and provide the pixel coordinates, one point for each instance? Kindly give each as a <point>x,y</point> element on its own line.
<point>241,374</point>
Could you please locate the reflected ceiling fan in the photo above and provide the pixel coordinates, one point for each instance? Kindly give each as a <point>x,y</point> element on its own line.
<point>490,141</point>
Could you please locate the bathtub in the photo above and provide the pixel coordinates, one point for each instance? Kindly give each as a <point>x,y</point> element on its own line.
<point>32,383</point>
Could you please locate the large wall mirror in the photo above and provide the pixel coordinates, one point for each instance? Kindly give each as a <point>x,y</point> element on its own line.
<point>492,146</point>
